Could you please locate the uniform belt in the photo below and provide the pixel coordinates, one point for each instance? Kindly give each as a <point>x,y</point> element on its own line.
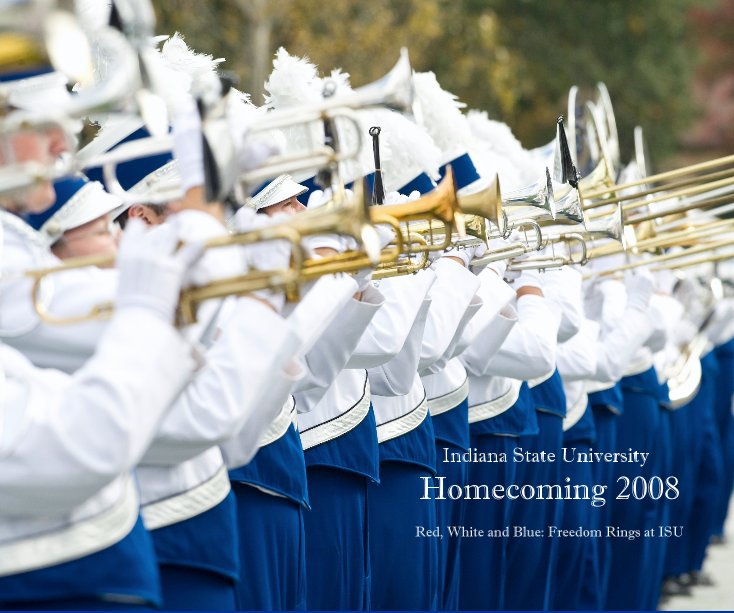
<point>74,541</point>
<point>340,424</point>
<point>535,382</point>
<point>575,412</point>
<point>281,423</point>
<point>492,408</point>
<point>444,403</point>
<point>599,386</point>
<point>188,504</point>
<point>403,424</point>
<point>637,367</point>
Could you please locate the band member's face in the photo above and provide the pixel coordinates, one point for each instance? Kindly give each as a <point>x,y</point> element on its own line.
<point>97,237</point>
<point>289,207</point>
<point>27,146</point>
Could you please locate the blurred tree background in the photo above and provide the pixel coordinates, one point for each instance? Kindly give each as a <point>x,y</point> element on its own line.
<point>514,58</point>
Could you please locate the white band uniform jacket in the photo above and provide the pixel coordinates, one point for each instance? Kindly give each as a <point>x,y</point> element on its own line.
<point>448,387</point>
<point>623,331</point>
<point>528,352</point>
<point>338,400</point>
<point>63,497</point>
<point>449,312</point>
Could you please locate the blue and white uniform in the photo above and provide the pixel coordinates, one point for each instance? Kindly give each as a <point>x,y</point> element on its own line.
<point>407,448</point>
<point>69,502</point>
<point>500,411</point>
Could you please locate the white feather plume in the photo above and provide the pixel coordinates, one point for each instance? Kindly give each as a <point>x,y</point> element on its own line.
<point>294,81</point>
<point>199,67</point>
<point>442,116</point>
<point>498,137</point>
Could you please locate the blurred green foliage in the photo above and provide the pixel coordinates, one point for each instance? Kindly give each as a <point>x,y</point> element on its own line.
<point>513,58</point>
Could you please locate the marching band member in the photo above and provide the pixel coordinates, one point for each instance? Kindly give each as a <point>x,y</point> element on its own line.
<point>70,507</point>
<point>271,489</point>
<point>500,411</point>
<point>81,220</point>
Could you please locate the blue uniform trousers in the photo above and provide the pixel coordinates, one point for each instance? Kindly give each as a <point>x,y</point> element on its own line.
<point>273,557</point>
<point>80,604</point>
<point>484,560</point>
<point>337,551</point>
<point>710,473</point>
<point>193,589</point>
<point>199,561</point>
<point>531,561</point>
<point>596,575</point>
<point>725,426</point>
<point>685,442</point>
<point>404,566</point>
<point>451,430</point>
<point>632,558</point>
<point>577,556</point>
<point>663,459</point>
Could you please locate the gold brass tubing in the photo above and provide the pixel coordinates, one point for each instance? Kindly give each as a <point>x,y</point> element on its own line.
<point>662,258</point>
<point>698,180</point>
<point>689,191</point>
<point>680,209</point>
<point>720,257</point>
<point>670,174</point>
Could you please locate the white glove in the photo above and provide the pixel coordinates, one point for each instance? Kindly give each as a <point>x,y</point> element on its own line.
<point>363,279</point>
<point>325,241</point>
<point>398,198</point>
<point>152,268</point>
<point>386,235</point>
<point>266,255</point>
<point>683,333</point>
<point>640,288</point>
<point>529,278</point>
<point>665,281</point>
<point>500,266</point>
<point>215,263</point>
<point>187,144</point>
<point>466,254</point>
<point>318,198</point>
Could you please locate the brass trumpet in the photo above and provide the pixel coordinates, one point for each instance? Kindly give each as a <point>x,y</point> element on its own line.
<point>349,218</point>
<point>413,224</point>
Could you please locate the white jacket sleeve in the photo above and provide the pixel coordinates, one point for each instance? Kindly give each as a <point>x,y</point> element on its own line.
<point>488,329</point>
<point>385,336</point>
<point>577,357</point>
<point>242,447</point>
<point>70,436</point>
<point>254,344</point>
<point>620,344</point>
<point>529,351</point>
<point>562,287</point>
<point>331,352</point>
<point>72,293</point>
<point>395,378</point>
<point>456,342</point>
<point>451,295</point>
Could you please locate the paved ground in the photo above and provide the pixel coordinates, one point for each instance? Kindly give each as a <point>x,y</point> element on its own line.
<point>720,565</point>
